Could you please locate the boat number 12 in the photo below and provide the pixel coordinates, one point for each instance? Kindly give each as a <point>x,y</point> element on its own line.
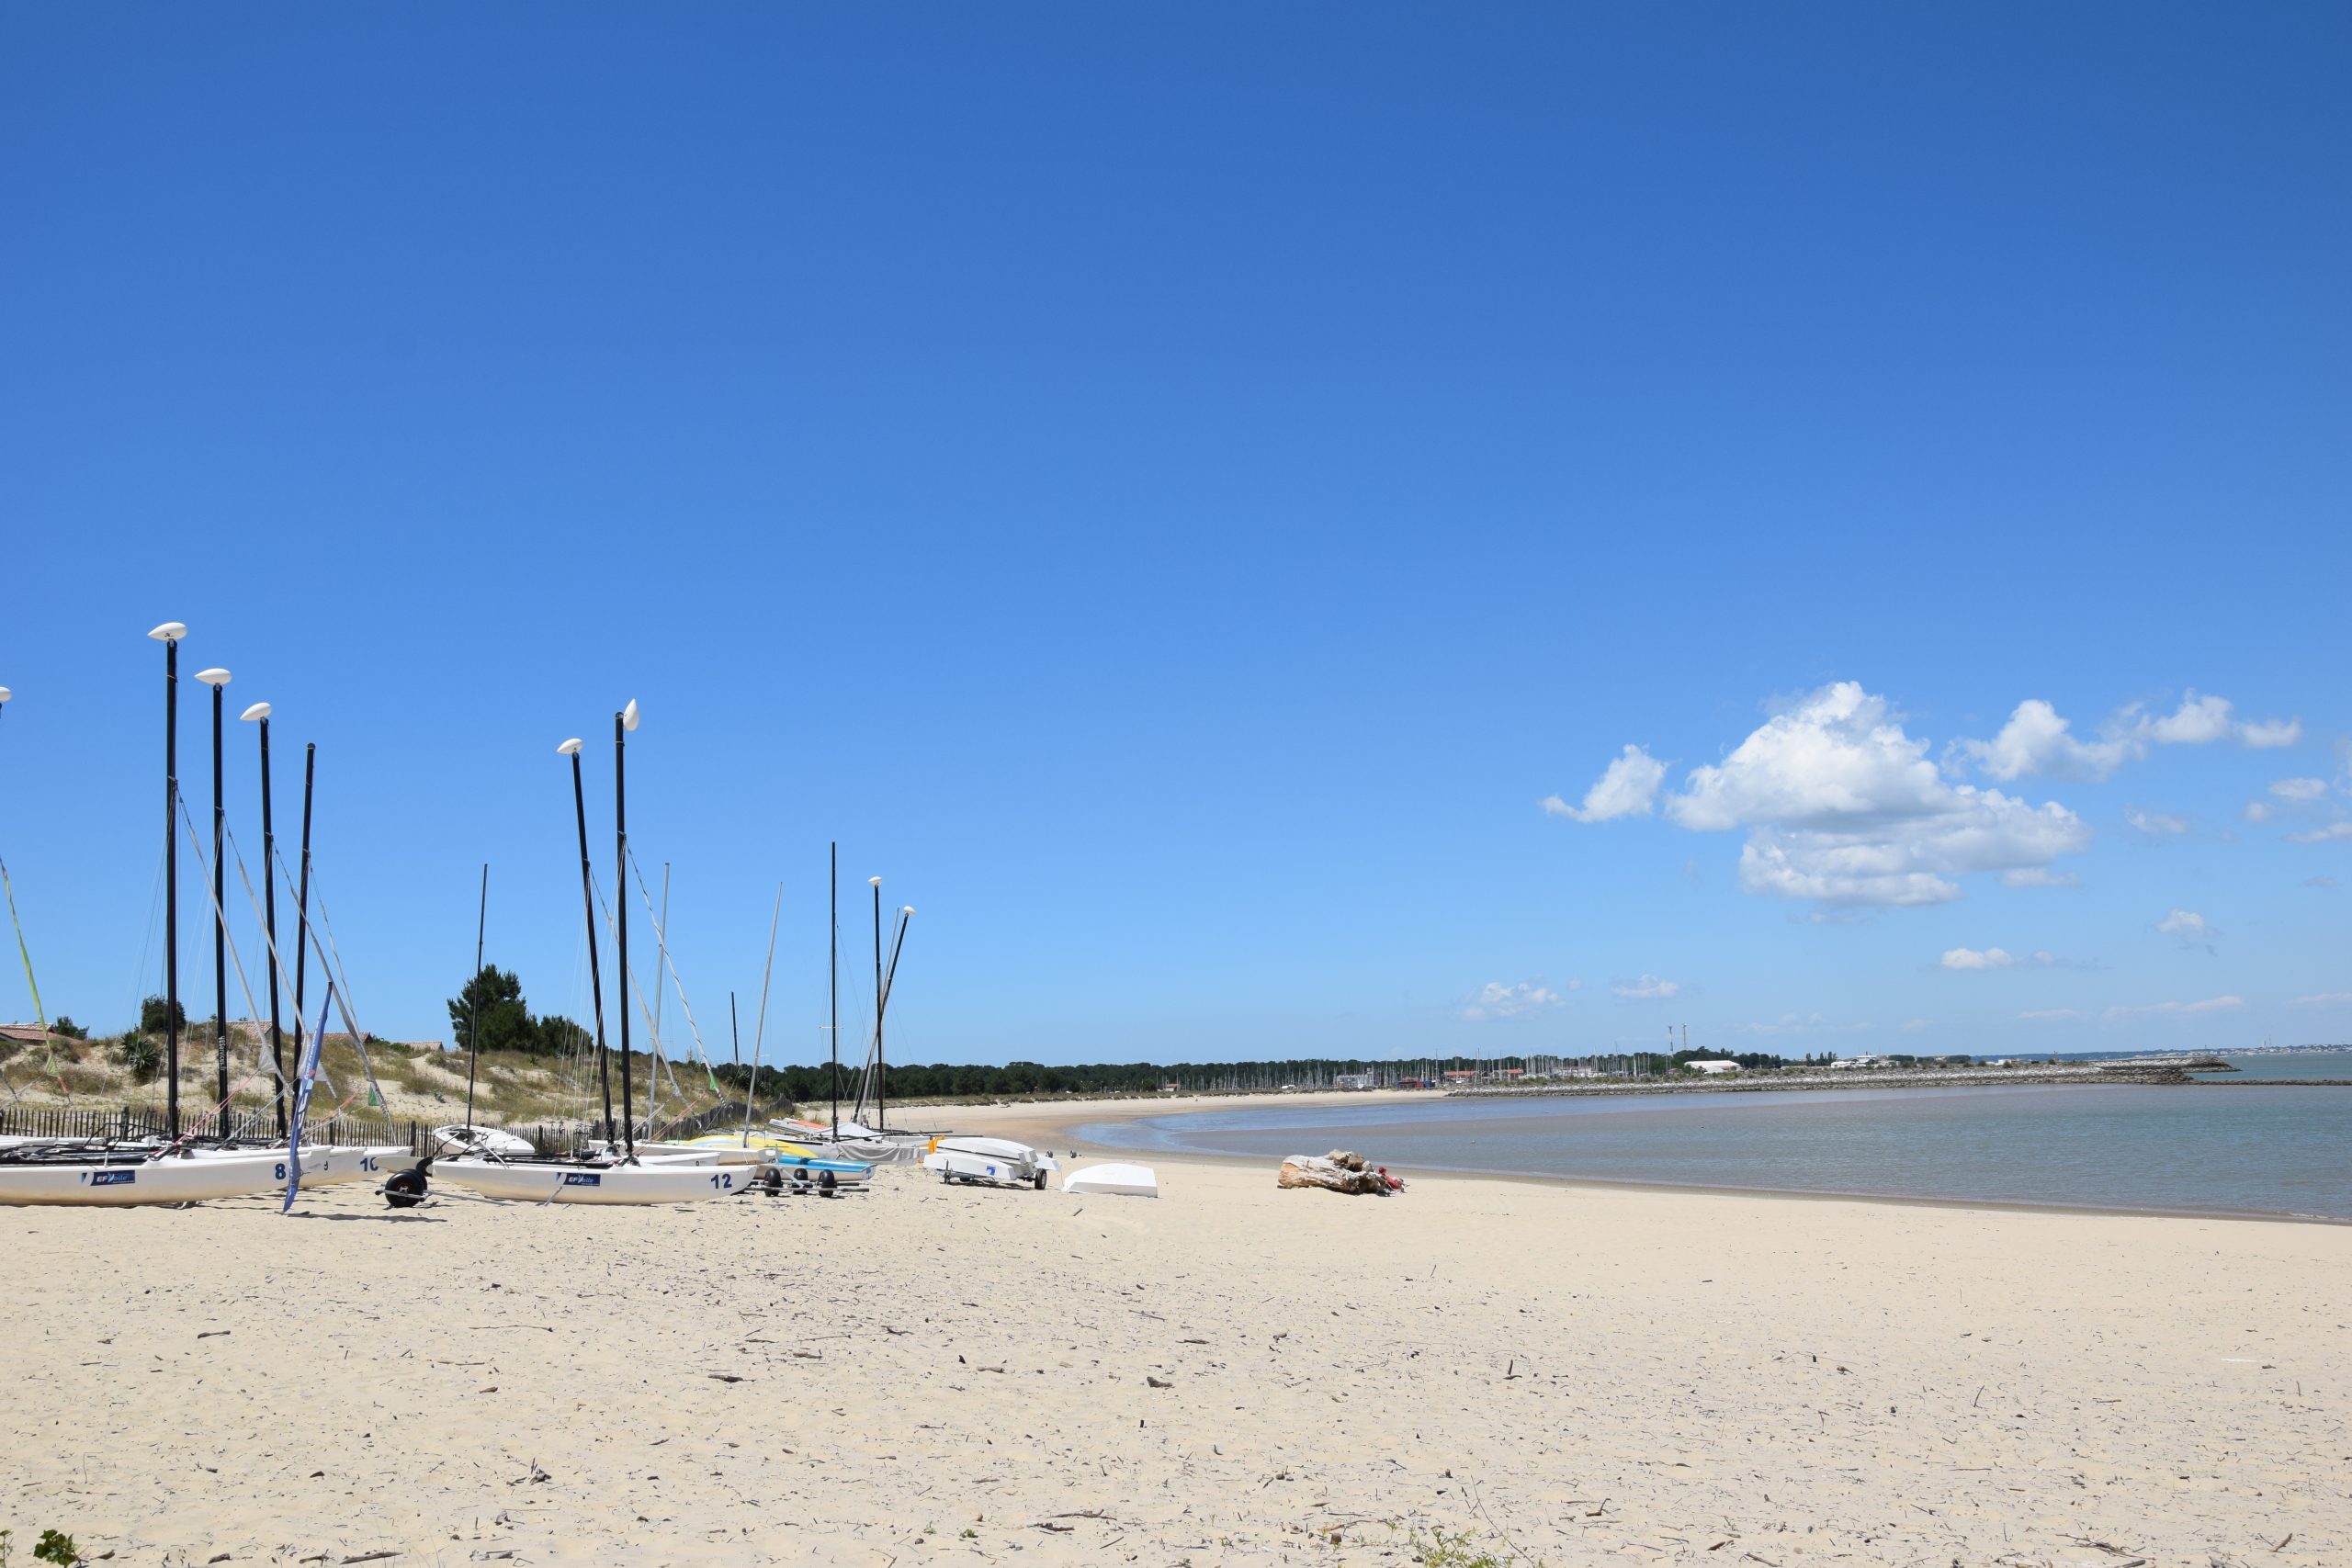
<point>722,1182</point>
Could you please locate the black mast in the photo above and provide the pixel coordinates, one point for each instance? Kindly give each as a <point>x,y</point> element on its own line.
<point>303,897</point>
<point>473,1002</point>
<point>269,911</point>
<point>169,635</point>
<point>880,1124</point>
<point>833,951</point>
<point>588,903</point>
<point>621,722</point>
<point>215,678</point>
<point>889,978</point>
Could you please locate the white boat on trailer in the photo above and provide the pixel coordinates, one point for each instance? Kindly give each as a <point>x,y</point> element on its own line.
<point>994,1161</point>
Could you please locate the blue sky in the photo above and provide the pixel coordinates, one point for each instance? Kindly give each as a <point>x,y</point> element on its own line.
<point>1177,493</point>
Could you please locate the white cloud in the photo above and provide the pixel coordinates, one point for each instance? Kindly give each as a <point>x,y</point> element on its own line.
<point>1804,1023</point>
<point>2298,789</point>
<point>2036,739</point>
<point>1496,1000</point>
<point>2210,1004</point>
<point>1913,1025</point>
<point>1627,788</point>
<point>2199,721</point>
<point>2050,1015</point>
<point>2333,833</point>
<point>2190,927</point>
<point>2319,882</point>
<point>1842,806</point>
<point>1968,958</point>
<point>2269,734</point>
<point>2326,999</point>
<point>1649,988</point>
<point>2257,811</point>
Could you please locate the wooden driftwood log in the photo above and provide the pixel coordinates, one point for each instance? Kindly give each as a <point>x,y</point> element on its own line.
<point>1338,1171</point>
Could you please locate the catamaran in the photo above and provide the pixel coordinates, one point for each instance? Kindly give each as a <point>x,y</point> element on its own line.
<point>102,1174</point>
<point>619,1175</point>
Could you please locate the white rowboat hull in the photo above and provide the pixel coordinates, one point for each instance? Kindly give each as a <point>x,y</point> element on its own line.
<point>1114,1182</point>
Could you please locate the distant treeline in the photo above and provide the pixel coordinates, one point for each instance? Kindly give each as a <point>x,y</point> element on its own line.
<point>494,1000</point>
<point>804,1084</point>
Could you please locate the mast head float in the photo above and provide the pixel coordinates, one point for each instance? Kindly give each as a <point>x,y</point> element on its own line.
<point>170,631</point>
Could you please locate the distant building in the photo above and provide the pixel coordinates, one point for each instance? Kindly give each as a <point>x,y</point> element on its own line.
<point>1460,1075</point>
<point>1354,1080</point>
<point>1713,1068</point>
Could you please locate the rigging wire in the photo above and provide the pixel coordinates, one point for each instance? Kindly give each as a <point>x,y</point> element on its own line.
<point>339,982</point>
<point>661,942</point>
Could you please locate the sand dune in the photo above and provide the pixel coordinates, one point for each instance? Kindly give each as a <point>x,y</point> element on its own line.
<point>1577,1374</point>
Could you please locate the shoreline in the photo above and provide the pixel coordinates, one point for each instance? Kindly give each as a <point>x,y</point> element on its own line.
<point>1044,1125</point>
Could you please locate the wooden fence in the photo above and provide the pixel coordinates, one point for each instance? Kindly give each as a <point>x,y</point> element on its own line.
<point>139,1121</point>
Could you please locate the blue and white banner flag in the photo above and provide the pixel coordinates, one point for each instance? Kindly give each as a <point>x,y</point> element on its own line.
<point>306,1073</point>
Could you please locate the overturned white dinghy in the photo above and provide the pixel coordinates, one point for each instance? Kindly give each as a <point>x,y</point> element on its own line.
<point>119,1183</point>
<point>549,1182</point>
<point>1114,1182</point>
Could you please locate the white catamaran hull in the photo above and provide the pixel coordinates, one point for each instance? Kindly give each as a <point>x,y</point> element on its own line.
<point>663,1182</point>
<point>332,1164</point>
<point>177,1179</point>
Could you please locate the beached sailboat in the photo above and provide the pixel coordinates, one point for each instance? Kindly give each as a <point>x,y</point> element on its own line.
<point>120,1177</point>
<point>619,1175</point>
<point>877,1143</point>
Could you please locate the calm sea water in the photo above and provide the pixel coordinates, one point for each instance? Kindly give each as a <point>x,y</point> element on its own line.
<point>2247,1147</point>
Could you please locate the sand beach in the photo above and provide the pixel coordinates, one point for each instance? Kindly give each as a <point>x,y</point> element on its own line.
<point>1230,1373</point>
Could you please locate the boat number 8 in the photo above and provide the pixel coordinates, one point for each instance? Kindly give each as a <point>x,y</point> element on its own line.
<point>281,1171</point>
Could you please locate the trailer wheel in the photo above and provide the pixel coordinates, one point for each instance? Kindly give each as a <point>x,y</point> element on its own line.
<point>406,1189</point>
<point>1038,1181</point>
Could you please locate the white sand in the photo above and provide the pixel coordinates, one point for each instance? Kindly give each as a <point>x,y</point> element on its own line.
<point>1597,1375</point>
